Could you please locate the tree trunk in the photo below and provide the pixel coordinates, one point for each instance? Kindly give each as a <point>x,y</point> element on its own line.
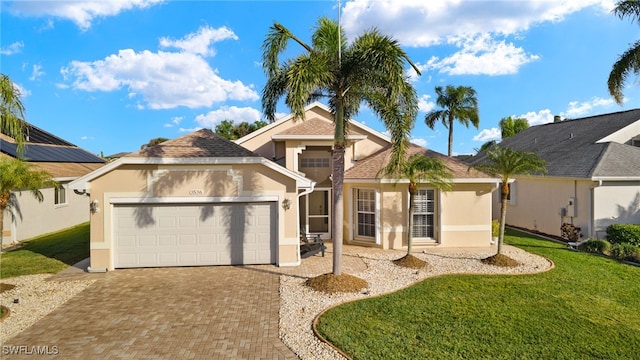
<point>1,224</point>
<point>412,191</point>
<point>450,135</point>
<point>504,191</point>
<point>337,175</point>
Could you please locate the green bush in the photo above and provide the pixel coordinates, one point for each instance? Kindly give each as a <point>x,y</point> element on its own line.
<point>624,234</point>
<point>495,228</point>
<point>626,252</point>
<point>597,246</point>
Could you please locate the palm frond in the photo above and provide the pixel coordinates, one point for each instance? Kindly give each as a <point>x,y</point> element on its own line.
<point>627,63</point>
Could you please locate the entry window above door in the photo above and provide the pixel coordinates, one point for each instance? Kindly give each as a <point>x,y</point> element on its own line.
<point>366,212</point>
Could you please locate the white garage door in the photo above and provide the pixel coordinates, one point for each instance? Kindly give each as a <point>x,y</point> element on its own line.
<point>188,235</point>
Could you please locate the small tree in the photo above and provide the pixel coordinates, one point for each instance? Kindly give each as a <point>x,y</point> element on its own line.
<point>419,169</point>
<point>504,163</point>
<point>510,126</point>
<point>18,175</point>
<point>11,111</point>
<point>153,142</point>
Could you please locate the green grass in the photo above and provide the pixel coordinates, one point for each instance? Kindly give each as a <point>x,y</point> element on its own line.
<point>48,253</point>
<point>587,307</point>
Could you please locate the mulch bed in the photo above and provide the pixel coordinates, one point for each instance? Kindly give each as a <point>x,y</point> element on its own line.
<point>501,260</point>
<point>410,261</point>
<point>330,283</point>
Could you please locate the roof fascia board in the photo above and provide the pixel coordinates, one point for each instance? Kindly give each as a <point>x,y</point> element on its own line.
<point>82,182</point>
<point>616,178</point>
<point>405,181</point>
<point>624,133</point>
<point>315,137</point>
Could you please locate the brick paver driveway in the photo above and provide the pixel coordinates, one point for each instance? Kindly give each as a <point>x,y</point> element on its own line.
<point>219,312</point>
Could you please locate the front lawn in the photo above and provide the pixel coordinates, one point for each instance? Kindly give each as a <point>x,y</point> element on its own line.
<point>47,254</point>
<point>587,307</point>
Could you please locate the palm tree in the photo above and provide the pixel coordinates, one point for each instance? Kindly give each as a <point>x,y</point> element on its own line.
<point>11,111</point>
<point>459,103</point>
<point>629,61</point>
<point>18,175</point>
<point>510,126</point>
<point>504,163</point>
<point>370,70</point>
<point>420,169</point>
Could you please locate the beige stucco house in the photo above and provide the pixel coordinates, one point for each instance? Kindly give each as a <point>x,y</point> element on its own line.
<point>61,207</point>
<point>203,200</point>
<point>593,177</point>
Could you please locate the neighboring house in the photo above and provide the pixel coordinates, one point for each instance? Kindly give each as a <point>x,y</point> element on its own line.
<point>61,207</point>
<point>593,175</point>
<point>203,200</point>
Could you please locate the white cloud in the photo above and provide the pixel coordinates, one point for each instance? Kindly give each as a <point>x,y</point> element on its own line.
<point>189,130</point>
<point>164,80</point>
<point>174,121</point>
<point>199,42</point>
<point>12,49</point>
<point>85,137</point>
<point>482,55</point>
<point>36,72</point>
<point>419,141</point>
<point>537,118</point>
<point>82,13</point>
<point>424,104</point>
<point>488,135</point>
<point>233,113</point>
<point>577,109</point>
<point>22,90</point>
<point>425,23</point>
<point>280,115</point>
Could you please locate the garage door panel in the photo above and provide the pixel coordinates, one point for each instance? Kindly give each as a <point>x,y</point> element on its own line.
<point>186,235</point>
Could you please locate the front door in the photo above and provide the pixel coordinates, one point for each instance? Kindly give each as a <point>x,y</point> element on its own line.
<point>318,213</point>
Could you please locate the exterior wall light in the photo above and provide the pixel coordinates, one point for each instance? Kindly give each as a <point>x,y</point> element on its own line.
<point>286,203</point>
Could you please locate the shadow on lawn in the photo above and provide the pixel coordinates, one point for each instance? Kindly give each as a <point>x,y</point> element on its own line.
<point>69,246</point>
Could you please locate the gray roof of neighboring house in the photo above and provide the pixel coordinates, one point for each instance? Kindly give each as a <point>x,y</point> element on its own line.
<point>202,143</point>
<point>569,147</point>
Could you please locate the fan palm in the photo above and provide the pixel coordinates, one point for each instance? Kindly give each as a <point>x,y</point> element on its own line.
<point>504,163</point>
<point>370,70</point>
<point>459,103</point>
<point>629,61</point>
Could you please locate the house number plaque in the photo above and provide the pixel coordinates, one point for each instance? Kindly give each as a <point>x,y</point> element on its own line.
<point>196,192</point>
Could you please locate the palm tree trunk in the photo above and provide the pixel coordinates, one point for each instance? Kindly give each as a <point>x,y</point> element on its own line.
<point>337,183</point>
<point>450,135</point>
<point>410,230</point>
<point>504,191</point>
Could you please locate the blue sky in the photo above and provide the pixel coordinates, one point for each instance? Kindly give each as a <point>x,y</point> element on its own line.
<point>111,75</point>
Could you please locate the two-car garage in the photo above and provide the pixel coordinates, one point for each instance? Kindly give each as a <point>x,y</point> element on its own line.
<point>155,235</point>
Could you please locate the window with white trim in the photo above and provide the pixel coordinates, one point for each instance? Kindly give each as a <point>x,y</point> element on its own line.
<point>314,162</point>
<point>366,212</point>
<point>60,195</point>
<point>424,205</point>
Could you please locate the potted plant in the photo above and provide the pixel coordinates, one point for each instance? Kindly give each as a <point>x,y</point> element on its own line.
<point>495,231</point>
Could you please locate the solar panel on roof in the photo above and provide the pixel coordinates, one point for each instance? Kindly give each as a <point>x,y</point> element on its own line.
<point>43,153</point>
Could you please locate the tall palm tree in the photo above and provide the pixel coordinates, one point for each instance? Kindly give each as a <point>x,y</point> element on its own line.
<point>18,175</point>
<point>11,111</point>
<point>459,103</point>
<point>629,61</point>
<point>420,169</point>
<point>504,163</point>
<point>371,69</point>
<point>510,126</point>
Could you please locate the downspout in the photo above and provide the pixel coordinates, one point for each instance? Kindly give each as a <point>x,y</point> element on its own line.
<point>592,209</point>
<point>305,192</point>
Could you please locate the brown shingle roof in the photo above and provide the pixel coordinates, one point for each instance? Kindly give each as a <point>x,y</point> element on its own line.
<point>369,167</point>
<point>313,126</point>
<point>68,169</point>
<point>202,143</point>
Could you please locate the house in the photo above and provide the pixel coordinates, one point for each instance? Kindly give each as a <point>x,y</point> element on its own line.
<point>593,177</point>
<point>201,199</point>
<point>61,207</point>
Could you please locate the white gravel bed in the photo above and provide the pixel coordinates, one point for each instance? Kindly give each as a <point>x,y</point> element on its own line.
<point>36,298</point>
<point>299,305</point>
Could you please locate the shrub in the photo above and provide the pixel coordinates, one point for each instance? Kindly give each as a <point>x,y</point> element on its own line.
<point>624,234</point>
<point>570,232</point>
<point>597,246</point>
<point>626,252</point>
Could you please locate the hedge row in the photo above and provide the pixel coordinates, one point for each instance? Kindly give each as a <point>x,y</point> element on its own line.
<point>624,234</point>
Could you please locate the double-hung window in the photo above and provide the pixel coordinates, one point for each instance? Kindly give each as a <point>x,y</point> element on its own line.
<point>366,212</point>
<point>424,214</point>
<point>60,195</point>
